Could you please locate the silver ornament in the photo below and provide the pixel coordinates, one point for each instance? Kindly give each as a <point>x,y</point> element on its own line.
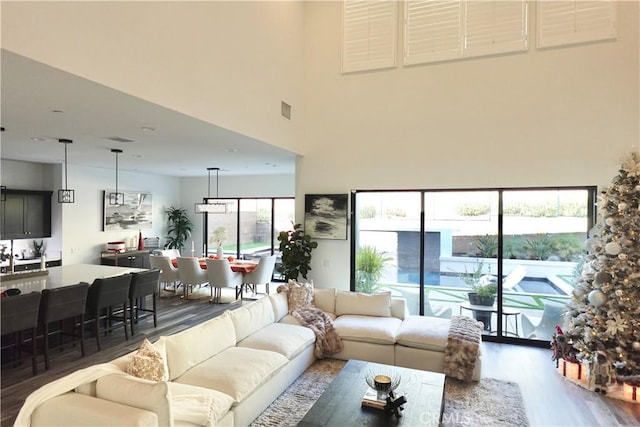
<point>636,345</point>
<point>596,298</point>
<point>613,248</point>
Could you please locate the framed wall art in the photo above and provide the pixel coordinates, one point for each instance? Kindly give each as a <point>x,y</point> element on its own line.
<point>134,213</point>
<point>325,216</point>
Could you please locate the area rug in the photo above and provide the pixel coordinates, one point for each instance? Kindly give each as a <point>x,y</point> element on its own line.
<point>489,402</point>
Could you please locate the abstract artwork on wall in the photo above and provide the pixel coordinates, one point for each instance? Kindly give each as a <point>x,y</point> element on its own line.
<point>134,213</point>
<point>325,216</point>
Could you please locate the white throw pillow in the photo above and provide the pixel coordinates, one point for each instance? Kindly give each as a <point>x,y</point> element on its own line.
<point>325,299</point>
<point>363,304</point>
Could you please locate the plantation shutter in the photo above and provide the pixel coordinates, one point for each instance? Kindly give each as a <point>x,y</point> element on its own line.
<point>369,34</point>
<point>453,29</point>
<point>495,27</point>
<point>576,21</point>
<point>432,31</point>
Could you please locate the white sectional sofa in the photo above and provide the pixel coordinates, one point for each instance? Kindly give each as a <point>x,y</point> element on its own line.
<point>227,370</point>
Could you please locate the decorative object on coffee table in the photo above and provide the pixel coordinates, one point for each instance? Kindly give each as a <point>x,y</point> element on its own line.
<point>383,383</point>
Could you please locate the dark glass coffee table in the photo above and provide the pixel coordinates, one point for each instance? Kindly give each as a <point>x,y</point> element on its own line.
<point>340,404</point>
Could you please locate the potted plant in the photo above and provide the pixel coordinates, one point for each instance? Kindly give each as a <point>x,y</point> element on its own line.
<point>296,249</point>
<point>180,227</point>
<point>482,285</point>
<point>370,264</point>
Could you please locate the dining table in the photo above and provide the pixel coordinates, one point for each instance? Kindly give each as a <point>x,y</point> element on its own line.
<point>241,266</point>
<point>66,275</point>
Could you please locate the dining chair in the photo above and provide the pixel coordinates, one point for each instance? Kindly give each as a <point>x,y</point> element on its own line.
<point>190,274</point>
<point>19,314</point>
<point>168,273</point>
<point>61,304</point>
<point>103,297</point>
<point>220,276</point>
<point>143,284</point>
<point>262,275</point>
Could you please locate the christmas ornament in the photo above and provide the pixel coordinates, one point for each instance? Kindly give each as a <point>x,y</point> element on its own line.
<point>613,248</point>
<point>623,206</point>
<point>610,221</point>
<point>601,278</point>
<point>596,298</point>
<point>590,245</point>
<point>636,345</point>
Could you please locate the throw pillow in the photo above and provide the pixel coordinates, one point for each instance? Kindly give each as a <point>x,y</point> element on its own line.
<point>147,363</point>
<point>299,294</point>
<point>361,304</point>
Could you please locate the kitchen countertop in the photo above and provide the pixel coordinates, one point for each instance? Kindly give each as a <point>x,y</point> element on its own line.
<point>65,276</point>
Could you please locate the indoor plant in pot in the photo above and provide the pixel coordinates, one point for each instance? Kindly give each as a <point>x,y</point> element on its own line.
<point>180,227</point>
<point>296,248</point>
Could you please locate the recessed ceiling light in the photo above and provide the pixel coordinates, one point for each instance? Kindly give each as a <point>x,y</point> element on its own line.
<point>37,138</point>
<point>57,111</point>
<point>231,150</point>
<point>147,129</point>
<point>137,156</point>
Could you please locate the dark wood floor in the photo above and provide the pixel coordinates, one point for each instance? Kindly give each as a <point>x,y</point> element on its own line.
<point>549,399</point>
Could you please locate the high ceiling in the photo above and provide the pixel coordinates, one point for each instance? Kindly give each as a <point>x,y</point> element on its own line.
<point>41,104</point>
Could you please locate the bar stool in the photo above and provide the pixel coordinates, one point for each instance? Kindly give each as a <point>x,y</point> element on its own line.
<point>19,314</point>
<point>60,304</point>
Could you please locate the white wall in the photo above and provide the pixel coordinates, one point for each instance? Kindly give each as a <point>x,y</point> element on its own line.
<point>563,116</point>
<point>77,234</point>
<point>77,227</point>
<point>229,63</point>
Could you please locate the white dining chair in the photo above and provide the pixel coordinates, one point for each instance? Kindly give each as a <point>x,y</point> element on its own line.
<point>262,275</point>
<point>190,274</point>
<point>220,276</point>
<point>168,273</point>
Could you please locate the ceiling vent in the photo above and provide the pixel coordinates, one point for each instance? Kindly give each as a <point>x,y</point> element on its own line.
<point>119,139</point>
<point>285,110</point>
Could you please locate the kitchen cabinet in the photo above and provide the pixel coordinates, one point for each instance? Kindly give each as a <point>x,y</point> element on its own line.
<point>25,214</point>
<point>133,259</point>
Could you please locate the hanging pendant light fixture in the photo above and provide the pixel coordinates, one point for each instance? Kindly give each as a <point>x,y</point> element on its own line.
<point>116,199</point>
<point>209,204</point>
<point>66,195</point>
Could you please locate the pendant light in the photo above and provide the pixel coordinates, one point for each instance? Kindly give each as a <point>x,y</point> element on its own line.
<point>66,195</point>
<point>116,199</point>
<point>207,205</point>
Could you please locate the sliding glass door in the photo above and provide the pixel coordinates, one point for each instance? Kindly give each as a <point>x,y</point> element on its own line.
<point>503,256</point>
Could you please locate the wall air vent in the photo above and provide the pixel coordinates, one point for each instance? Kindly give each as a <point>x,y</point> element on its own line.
<point>118,139</point>
<point>285,110</point>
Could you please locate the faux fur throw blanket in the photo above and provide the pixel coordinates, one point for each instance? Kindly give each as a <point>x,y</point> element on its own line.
<point>463,347</point>
<point>328,341</point>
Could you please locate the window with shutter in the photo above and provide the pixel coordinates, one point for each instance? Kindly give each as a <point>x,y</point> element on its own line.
<point>578,21</point>
<point>369,35</point>
<point>453,29</point>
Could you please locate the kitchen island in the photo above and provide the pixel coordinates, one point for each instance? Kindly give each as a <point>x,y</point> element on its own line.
<point>64,276</point>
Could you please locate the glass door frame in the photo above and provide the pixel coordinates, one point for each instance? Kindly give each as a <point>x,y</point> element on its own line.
<point>499,337</point>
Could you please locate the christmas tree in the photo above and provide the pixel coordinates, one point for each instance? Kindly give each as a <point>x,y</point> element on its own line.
<point>604,315</point>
